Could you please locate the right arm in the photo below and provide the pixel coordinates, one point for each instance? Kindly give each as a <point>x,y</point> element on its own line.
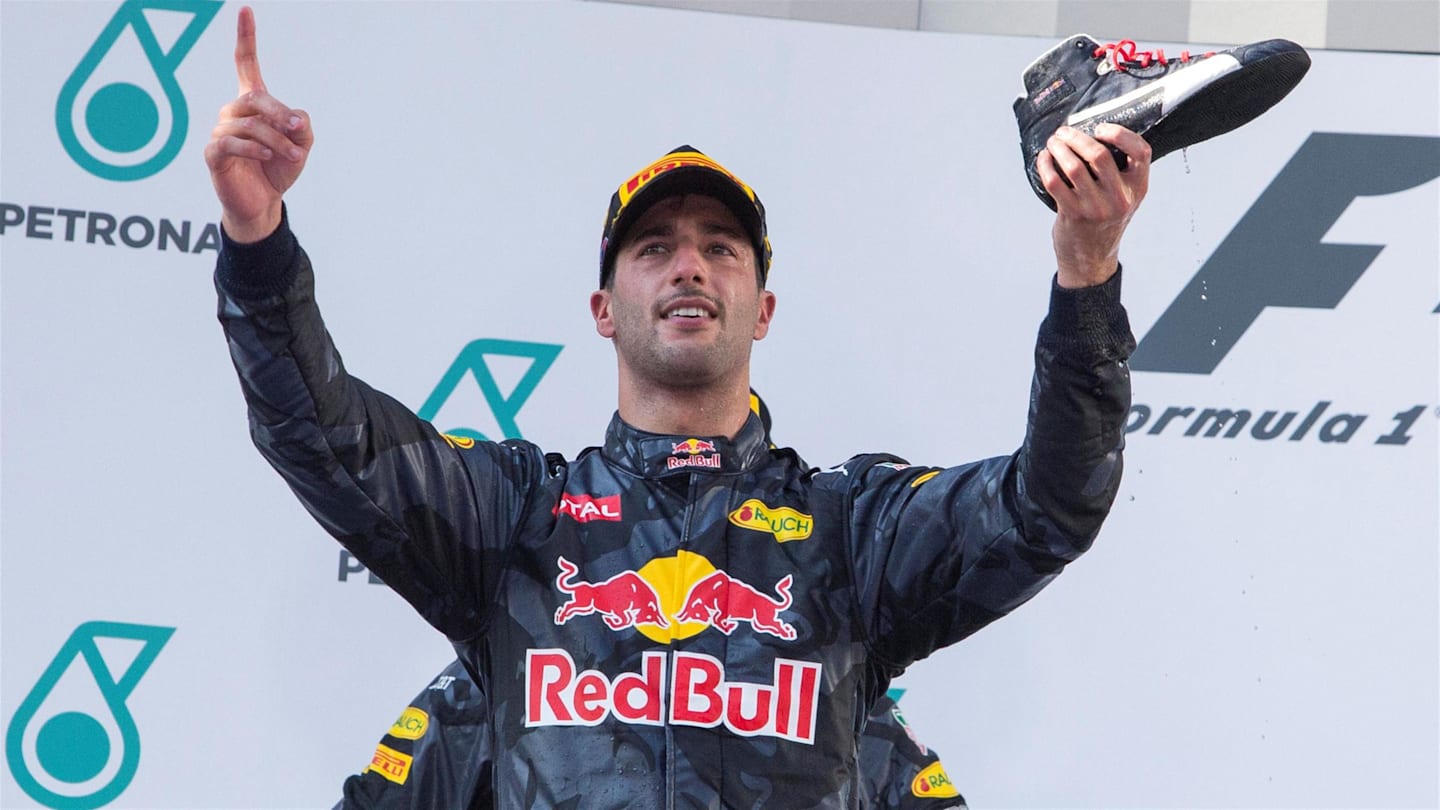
<point>431,518</point>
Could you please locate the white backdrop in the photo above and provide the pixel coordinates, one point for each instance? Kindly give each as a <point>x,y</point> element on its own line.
<point>1256,626</point>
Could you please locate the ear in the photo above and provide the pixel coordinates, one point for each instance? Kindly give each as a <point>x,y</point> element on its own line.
<point>767,311</point>
<point>600,311</point>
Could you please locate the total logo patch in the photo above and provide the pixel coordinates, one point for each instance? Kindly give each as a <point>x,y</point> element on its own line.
<point>933,783</point>
<point>785,523</point>
<point>585,508</point>
<point>411,725</point>
<point>391,764</point>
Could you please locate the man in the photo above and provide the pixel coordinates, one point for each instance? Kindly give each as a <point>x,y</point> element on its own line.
<point>437,753</point>
<point>683,616</point>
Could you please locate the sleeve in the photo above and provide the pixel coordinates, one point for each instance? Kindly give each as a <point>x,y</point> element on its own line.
<point>940,553</point>
<point>430,515</point>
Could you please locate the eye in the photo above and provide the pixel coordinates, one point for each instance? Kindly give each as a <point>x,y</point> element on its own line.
<point>723,249</point>
<point>651,249</point>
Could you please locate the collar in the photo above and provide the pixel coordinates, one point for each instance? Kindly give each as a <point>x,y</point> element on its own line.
<point>652,455</point>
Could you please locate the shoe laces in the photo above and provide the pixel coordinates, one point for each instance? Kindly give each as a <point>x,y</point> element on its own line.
<point>1123,55</point>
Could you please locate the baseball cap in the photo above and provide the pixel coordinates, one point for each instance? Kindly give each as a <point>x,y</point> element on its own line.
<point>683,170</point>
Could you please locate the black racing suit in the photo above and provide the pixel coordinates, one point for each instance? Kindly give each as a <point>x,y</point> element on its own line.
<point>436,755</point>
<point>678,621</point>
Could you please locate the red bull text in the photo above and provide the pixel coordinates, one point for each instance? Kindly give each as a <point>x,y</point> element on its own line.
<point>695,694</point>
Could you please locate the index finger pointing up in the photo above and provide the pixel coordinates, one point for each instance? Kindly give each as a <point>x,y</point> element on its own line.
<point>247,64</point>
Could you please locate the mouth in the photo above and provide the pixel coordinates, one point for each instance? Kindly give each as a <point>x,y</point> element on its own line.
<point>689,310</point>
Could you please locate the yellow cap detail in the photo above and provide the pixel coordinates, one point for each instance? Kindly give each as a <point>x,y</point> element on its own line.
<point>674,160</point>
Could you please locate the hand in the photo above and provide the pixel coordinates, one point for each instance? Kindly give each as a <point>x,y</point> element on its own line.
<point>257,149</point>
<point>1094,198</point>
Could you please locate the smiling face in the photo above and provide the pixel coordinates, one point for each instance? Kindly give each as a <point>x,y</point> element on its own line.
<point>684,303</point>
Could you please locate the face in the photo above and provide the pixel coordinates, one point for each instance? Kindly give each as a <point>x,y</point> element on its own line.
<point>684,304</point>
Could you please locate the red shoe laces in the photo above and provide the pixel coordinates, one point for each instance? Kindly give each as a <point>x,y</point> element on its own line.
<point>1123,54</point>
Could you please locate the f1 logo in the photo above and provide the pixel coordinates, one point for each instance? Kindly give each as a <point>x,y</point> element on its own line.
<point>1274,256</point>
<point>472,360</point>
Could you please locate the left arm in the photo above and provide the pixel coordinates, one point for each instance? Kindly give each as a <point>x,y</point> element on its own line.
<point>940,556</point>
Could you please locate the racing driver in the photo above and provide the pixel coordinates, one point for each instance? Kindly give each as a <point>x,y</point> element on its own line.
<point>682,616</point>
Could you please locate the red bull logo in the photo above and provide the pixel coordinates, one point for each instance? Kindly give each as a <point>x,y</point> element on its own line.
<point>584,508</point>
<point>676,597</point>
<point>689,454</point>
<point>624,600</point>
<point>693,447</point>
<point>672,598</point>
<point>722,601</point>
<point>556,694</point>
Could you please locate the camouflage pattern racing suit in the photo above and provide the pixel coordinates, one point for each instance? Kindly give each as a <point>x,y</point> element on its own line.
<point>678,621</point>
<point>437,755</point>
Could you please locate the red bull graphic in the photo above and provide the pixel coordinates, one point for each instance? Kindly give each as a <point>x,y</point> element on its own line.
<point>690,453</point>
<point>693,447</point>
<point>686,588</point>
<point>557,695</point>
<point>624,600</point>
<point>702,462</point>
<point>721,601</point>
<point>585,508</point>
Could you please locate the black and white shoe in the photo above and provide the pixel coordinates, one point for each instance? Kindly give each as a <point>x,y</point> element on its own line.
<point>1172,102</point>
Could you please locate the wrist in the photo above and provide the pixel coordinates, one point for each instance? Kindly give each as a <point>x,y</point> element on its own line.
<point>252,230</point>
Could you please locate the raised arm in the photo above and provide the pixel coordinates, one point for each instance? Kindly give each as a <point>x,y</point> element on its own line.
<point>941,553</point>
<point>425,512</point>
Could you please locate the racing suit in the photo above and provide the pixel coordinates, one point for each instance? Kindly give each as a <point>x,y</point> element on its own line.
<point>678,621</point>
<point>437,755</point>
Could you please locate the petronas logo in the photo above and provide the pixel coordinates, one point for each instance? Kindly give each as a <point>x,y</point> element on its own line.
<point>109,114</point>
<point>72,744</point>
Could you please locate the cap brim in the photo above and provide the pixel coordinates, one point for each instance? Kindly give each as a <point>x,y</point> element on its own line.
<point>688,180</point>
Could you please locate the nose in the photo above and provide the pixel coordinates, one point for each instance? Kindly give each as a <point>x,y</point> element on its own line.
<point>689,266</point>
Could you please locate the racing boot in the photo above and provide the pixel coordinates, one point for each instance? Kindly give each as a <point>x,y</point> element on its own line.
<point>1171,101</point>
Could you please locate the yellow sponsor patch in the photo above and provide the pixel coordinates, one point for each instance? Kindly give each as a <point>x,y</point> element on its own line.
<point>783,522</point>
<point>458,442</point>
<point>933,783</point>
<point>412,724</point>
<point>390,764</point>
<point>922,479</point>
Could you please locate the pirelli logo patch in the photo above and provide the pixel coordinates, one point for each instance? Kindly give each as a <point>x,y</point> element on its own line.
<point>389,763</point>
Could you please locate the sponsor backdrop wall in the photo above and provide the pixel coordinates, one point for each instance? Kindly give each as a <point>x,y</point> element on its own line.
<point>1256,626</point>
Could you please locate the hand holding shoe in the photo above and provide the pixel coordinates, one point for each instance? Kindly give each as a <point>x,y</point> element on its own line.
<point>1095,199</point>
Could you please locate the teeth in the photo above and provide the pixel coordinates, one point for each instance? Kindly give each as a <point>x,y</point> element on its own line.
<point>688,312</point>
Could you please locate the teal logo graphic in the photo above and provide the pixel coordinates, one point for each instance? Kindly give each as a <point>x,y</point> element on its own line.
<point>72,749</point>
<point>472,361</point>
<point>122,118</point>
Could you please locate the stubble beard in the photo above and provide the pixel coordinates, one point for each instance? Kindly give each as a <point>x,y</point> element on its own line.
<point>681,366</point>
